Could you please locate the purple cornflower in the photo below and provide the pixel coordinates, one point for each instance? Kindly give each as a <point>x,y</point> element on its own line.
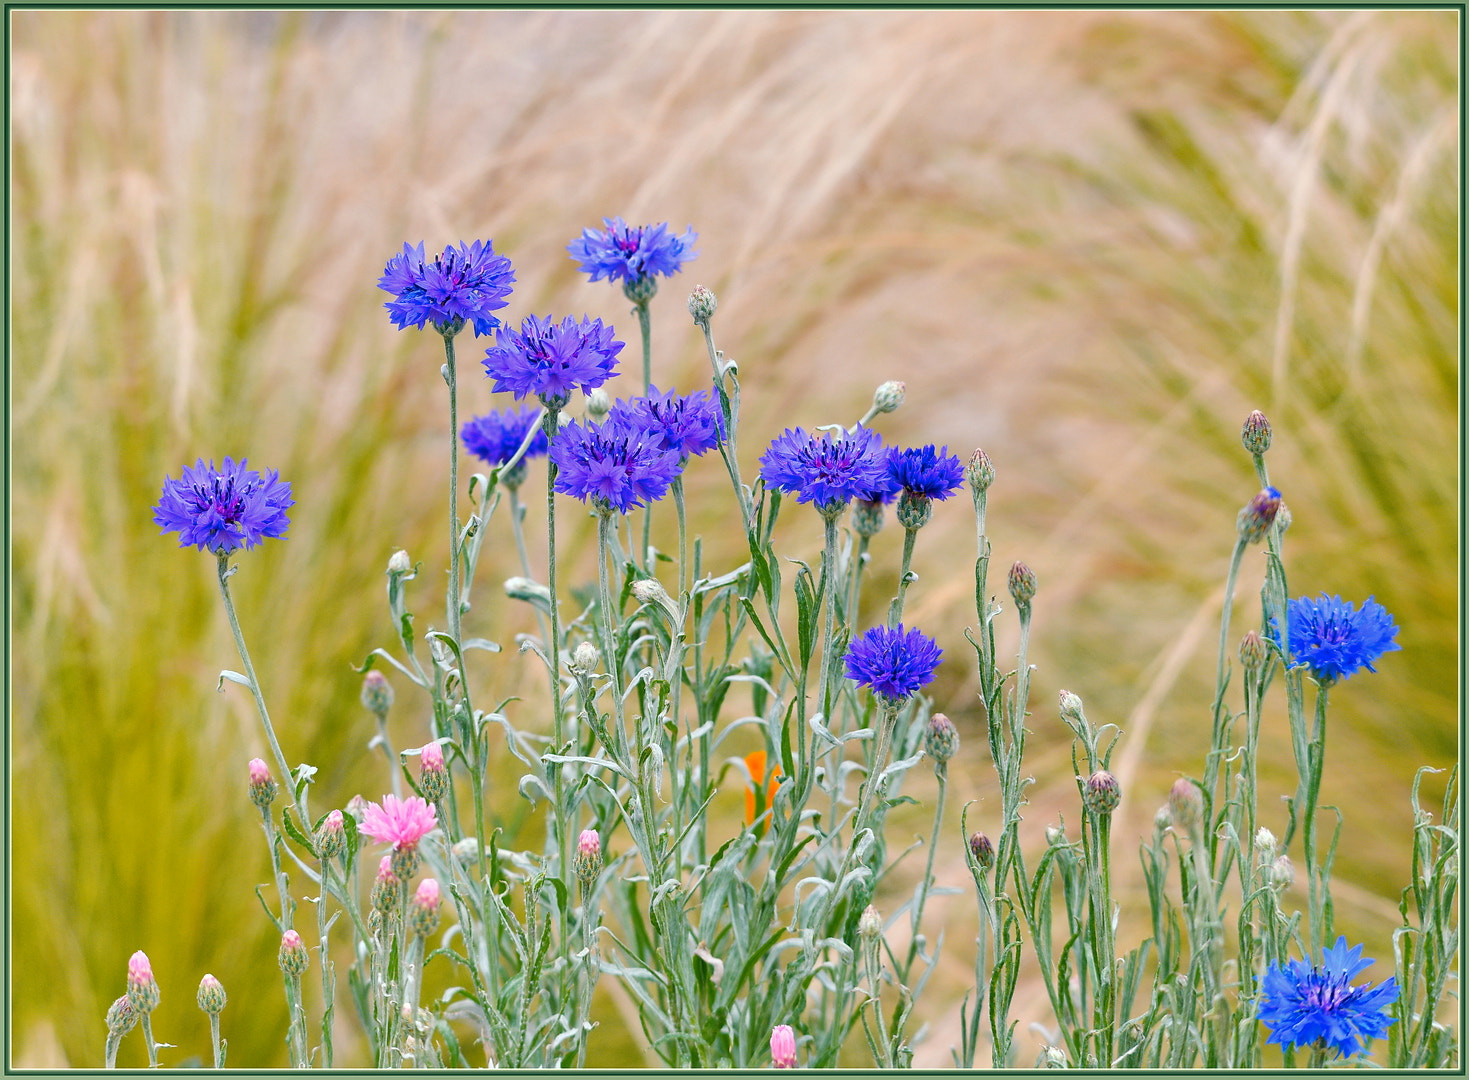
<point>614,464</point>
<point>462,284</point>
<point>1334,639</point>
<point>926,472</point>
<point>224,509</point>
<point>893,663</point>
<point>1305,1006</point>
<point>494,437</point>
<point>632,254</point>
<point>828,471</point>
<point>690,425</point>
<point>551,359</point>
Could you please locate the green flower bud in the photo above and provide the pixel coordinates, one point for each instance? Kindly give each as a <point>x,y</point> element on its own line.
<point>640,290</point>
<point>599,404</point>
<point>1022,585</point>
<point>870,924</point>
<point>942,739</point>
<point>1255,435</point>
<point>979,472</point>
<point>889,397</point>
<point>293,957</point>
<point>867,518</point>
<point>121,1017</point>
<point>702,304</point>
<point>1185,805</point>
<point>914,511</point>
<point>377,694</point>
<point>1252,651</point>
<point>212,997</point>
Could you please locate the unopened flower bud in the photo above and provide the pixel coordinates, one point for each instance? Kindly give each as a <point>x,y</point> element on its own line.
<point>1052,1057</point>
<point>399,563</point>
<point>867,518</point>
<point>979,472</point>
<point>377,694</point>
<point>466,850</point>
<point>649,591</point>
<point>1055,835</point>
<point>982,850</point>
<point>293,957</point>
<point>914,511</point>
<point>942,738</point>
<point>331,837</point>
<point>1252,651</point>
<point>121,1017</point>
<point>889,396</point>
<point>385,888</point>
<point>1255,435</point>
<point>870,924</point>
<point>1282,872</point>
<point>433,778</point>
<point>585,658</point>
<point>1283,518</point>
<point>1162,819</point>
<point>1257,516</point>
<point>523,588</point>
<point>1185,805</point>
<point>357,808</point>
<point>640,289</point>
<point>783,1047</point>
<point>1265,846</point>
<point>405,860</point>
<point>262,787</point>
<point>599,404</point>
<point>1022,585</point>
<point>702,304</point>
<point>587,862</point>
<point>1071,707</point>
<point>1102,793</point>
<point>212,997</point>
<point>423,909</point>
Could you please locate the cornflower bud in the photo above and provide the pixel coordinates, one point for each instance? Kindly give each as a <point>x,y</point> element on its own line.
<point>1265,846</point>
<point>1282,872</point>
<point>1071,707</point>
<point>423,909</point>
<point>121,1017</point>
<point>1102,793</point>
<point>867,518</point>
<point>783,1047</point>
<point>466,850</point>
<point>1283,518</point>
<point>870,924</point>
<point>1185,805</point>
<point>1256,435</point>
<point>1257,516</point>
<point>585,658</point>
<point>262,787</point>
<point>1055,836</point>
<point>1162,819</point>
<point>649,591</point>
<point>405,860</point>
<point>640,289</point>
<point>523,588</point>
<point>385,888</point>
<point>889,396</point>
<point>377,694</point>
<point>702,304</point>
<point>942,738</point>
<point>399,563</point>
<point>979,472</point>
<point>1052,1057</point>
<point>357,807</point>
<point>143,992</point>
<point>433,778</point>
<point>599,404</point>
<point>1252,651</point>
<point>983,850</point>
<point>212,997</point>
<point>331,838</point>
<point>914,511</point>
<point>587,862</point>
<point>1022,585</point>
<point>293,957</point>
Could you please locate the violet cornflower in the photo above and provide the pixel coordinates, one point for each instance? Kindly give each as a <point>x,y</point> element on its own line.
<point>462,284</point>
<point>632,253</point>
<point>616,465</point>
<point>689,424</point>
<point>893,663</point>
<point>1335,639</point>
<point>926,472</point>
<point>494,437</point>
<point>223,509</point>
<point>550,359</point>
<point>827,470</point>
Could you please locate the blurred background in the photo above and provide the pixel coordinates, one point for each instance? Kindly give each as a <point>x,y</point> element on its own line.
<point>1089,242</point>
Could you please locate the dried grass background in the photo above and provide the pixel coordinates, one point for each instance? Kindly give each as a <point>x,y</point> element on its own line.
<point>1090,242</point>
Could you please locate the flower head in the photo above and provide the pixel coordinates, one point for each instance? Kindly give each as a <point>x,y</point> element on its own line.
<point>143,991</point>
<point>550,359</point>
<point>494,437</point>
<point>630,253</point>
<point>783,1047</point>
<point>587,863</point>
<point>690,424</point>
<point>1335,639</point>
<point>826,470</point>
<point>893,663</point>
<point>462,284</point>
<point>925,471</point>
<point>400,823</point>
<point>1258,515</point>
<point>223,509</point>
<point>292,955</point>
<point>614,464</point>
<point>1305,1005</point>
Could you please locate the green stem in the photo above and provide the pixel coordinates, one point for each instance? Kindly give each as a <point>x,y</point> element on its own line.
<point>517,518</point>
<point>152,1046</point>
<point>395,774</point>
<point>1220,714</point>
<point>215,1041</point>
<point>886,723</point>
<point>895,610</point>
<point>328,983</point>
<point>1315,881</point>
<point>941,771</point>
<point>729,404</point>
<point>450,377</point>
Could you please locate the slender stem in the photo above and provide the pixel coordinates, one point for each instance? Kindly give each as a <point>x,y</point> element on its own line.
<point>941,771</point>
<point>109,1060</point>
<point>517,518</point>
<point>645,325</point>
<point>214,1040</point>
<point>395,774</point>
<point>1315,882</point>
<point>296,1030</point>
<point>729,404</point>
<point>328,983</point>
<point>895,610</point>
<point>152,1046</point>
<point>829,572</point>
<point>1220,714</point>
<point>886,723</point>
<point>451,379</point>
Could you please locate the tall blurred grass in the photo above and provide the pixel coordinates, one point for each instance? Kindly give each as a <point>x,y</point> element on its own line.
<point>1090,243</point>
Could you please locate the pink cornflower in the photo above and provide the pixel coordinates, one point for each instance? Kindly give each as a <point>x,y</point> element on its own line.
<point>402,823</point>
<point>783,1047</point>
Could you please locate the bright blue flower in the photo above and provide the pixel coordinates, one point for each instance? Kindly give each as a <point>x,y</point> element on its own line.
<point>494,437</point>
<point>632,253</point>
<point>893,663</point>
<point>691,424</point>
<point>462,284</point>
<point>1307,1005</point>
<point>550,360</point>
<point>829,471</point>
<point>614,464</point>
<point>926,472</point>
<point>1334,639</point>
<point>223,509</point>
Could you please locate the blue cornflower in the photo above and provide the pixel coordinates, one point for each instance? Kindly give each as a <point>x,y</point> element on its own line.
<point>1334,639</point>
<point>223,509</point>
<point>615,464</point>
<point>494,437</point>
<point>825,470</point>
<point>551,359</point>
<point>926,472</point>
<point>690,425</point>
<point>893,663</point>
<point>632,254</point>
<point>1317,1005</point>
<point>462,284</point>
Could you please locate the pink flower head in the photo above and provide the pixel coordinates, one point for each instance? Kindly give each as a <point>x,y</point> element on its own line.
<point>431,757</point>
<point>290,940</point>
<point>259,772</point>
<point>783,1047</point>
<point>589,844</point>
<point>140,972</point>
<point>427,896</point>
<point>402,823</point>
<point>334,821</point>
<point>385,870</point>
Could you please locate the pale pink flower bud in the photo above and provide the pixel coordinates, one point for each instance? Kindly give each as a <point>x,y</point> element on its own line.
<point>423,911</point>
<point>588,859</point>
<point>143,993</point>
<point>783,1047</point>
<point>292,957</point>
<point>262,787</point>
<point>433,779</point>
<point>211,996</point>
<point>331,838</point>
<point>385,889</point>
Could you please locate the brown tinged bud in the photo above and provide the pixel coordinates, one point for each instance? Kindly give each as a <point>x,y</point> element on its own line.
<point>1258,515</point>
<point>1071,707</point>
<point>121,1017</point>
<point>1256,434</point>
<point>377,694</point>
<point>979,472</point>
<point>942,738</point>
<point>1185,805</point>
<point>1252,651</point>
<point>1102,793</point>
<point>982,850</point>
<point>1022,585</point>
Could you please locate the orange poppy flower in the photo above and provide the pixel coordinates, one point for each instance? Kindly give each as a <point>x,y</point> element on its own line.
<point>756,764</point>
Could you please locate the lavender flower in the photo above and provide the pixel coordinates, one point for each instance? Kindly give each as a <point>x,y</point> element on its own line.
<point>828,471</point>
<point>615,464</point>
<point>632,254</point>
<point>494,437</point>
<point>462,284</point>
<point>689,425</point>
<point>1334,639</point>
<point>926,472</point>
<point>223,509</point>
<point>1318,1005</point>
<point>551,360</point>
<point>893,663</point>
